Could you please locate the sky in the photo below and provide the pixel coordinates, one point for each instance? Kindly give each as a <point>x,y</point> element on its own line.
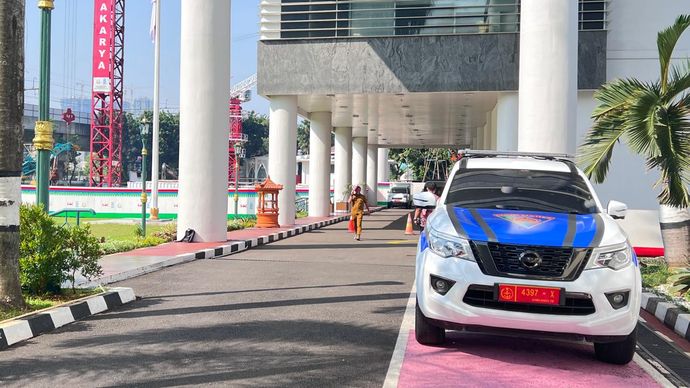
<point>72,34</point>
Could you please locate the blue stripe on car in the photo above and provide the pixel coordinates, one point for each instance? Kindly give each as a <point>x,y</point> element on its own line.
<point>423,242</point>
<point>473,230</point>
<point>529,227</point>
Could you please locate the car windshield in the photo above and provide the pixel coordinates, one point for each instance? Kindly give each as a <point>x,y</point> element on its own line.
<point>399,190</point>
<point>507,189</point>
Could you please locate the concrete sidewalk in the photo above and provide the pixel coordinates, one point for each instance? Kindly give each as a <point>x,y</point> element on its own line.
<point>125,265</point>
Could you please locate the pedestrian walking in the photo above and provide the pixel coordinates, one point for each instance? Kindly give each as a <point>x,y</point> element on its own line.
<point>358,202</point>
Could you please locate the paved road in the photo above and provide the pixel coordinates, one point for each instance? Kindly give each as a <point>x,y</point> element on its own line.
<point>319,309</point>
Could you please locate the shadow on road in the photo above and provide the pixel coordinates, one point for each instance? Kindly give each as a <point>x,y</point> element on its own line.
<point>248,306</point>
<point>265,353</point>
<point>367,284</point>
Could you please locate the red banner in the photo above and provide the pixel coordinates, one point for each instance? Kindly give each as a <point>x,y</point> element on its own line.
<point>103,45</point>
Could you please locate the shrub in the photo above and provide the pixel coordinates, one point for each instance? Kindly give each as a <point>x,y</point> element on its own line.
<point>43,251</point>
<point>681,281</point>
<point>85,251</point>
<point>116,246</point>
<point>167,233</point>
<point>50,254</point>
<point>138,231</point>
<point>654,273</point>
<point>150,241</point>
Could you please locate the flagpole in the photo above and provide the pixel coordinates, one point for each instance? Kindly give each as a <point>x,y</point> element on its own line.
<point>156,114</point>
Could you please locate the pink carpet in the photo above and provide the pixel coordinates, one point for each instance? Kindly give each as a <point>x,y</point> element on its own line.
<point>473,360</point>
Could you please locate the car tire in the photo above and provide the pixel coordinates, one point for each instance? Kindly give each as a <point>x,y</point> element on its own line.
<point>426,333</point>
<point>619,353</point>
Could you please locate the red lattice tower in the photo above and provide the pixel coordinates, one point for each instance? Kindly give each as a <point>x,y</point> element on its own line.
<point>106,116</point>
<point>236,137</point>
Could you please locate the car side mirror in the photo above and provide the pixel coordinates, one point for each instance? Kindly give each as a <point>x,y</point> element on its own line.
<point>617,209</point>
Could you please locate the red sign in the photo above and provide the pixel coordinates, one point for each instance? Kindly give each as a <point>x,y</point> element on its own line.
<point>68,116</point>
<point>103,45</point>
<point>529,294</point>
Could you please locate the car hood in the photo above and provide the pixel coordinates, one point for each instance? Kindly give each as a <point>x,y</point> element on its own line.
<point>530,227</point>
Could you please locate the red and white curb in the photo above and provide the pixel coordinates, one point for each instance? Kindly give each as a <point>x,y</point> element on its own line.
<point>22,329</point>
<point>668,313</point>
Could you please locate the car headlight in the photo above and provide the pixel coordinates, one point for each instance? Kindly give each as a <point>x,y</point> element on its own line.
<point>449,246</point>
<point>614,257</point>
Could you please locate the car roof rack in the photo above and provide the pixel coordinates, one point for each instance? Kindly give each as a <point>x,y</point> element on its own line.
<point>563,158</point>
<point>536,155</point>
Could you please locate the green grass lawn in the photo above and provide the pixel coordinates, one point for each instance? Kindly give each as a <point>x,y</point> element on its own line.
<point>121,232</point>
<point>34,303</point>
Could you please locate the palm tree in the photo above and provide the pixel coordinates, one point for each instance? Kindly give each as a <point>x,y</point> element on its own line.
<point>11,111</point>
<point>653,119</point>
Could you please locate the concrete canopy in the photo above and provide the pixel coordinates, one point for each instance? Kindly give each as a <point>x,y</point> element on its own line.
<point>407,119</point>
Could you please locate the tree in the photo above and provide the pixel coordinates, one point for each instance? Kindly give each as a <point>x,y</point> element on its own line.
<point>11,111</point>
<point>653,120</point>
<point>416,159</point>
<point>303,136</point>
<point>169,146</point>
<point>255,126</point>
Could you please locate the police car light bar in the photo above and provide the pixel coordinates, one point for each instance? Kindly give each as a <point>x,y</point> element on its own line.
<point>542,155</point>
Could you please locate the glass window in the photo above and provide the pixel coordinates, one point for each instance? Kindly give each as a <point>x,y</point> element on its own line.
<point>355,18</point>
<point>521,190</point>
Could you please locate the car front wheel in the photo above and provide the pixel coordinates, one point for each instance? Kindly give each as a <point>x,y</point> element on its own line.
<point>620,353</point>
<point>426,333</point>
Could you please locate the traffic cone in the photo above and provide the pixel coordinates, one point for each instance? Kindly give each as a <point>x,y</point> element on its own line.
<point>351,225</point>
<point>408,227</point>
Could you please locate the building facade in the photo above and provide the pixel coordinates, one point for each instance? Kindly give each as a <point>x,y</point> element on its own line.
<point>446,73</point>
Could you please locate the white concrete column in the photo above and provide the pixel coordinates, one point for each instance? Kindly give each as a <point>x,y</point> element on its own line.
<point>359,161</point>
<point>486,133</point>
<point>372,173</point>
<point>204,95</point>
<point>343,163</point>
<point>282,146</point>
<point>479,138</point>
<point>548,75</point>
<point>384,170</point>
<point>507,121</point>
<point>320,164</point>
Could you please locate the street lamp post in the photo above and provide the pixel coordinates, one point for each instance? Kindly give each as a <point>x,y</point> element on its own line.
<point>144,153</point>
<point>43,139</point>
<point>238,148</point>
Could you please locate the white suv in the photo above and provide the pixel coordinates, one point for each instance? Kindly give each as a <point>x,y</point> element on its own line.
<point>519,243</point>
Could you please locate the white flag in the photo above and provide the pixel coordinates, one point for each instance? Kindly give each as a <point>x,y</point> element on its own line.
<point>152,28</point>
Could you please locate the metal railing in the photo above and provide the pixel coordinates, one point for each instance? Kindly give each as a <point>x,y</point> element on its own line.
<point>319,19</point>
<point>302,204</point>
<point>72,210</point>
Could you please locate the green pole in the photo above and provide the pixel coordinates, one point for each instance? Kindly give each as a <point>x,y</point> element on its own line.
<point>144,154</point>
<point>43,139</point>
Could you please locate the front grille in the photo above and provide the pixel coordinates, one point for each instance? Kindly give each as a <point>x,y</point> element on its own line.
<point>484,296</point>
<point>557,263</point>
<point>507,259</point>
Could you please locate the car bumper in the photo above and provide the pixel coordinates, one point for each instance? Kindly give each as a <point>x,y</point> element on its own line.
<point>450,309</point>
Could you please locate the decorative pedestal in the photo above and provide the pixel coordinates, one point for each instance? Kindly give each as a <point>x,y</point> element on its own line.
<point>267,208</point>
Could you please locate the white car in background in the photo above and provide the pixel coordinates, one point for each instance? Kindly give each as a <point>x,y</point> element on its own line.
<point>519,243</point>
<point>399,195</point>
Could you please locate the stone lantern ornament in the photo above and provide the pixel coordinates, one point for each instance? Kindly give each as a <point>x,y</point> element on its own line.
<point>267,208</point>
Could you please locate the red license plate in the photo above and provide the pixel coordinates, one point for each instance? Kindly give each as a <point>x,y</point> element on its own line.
<point>529,294</point>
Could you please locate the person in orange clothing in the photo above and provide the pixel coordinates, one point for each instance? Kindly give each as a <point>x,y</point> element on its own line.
<point>357,203</point>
